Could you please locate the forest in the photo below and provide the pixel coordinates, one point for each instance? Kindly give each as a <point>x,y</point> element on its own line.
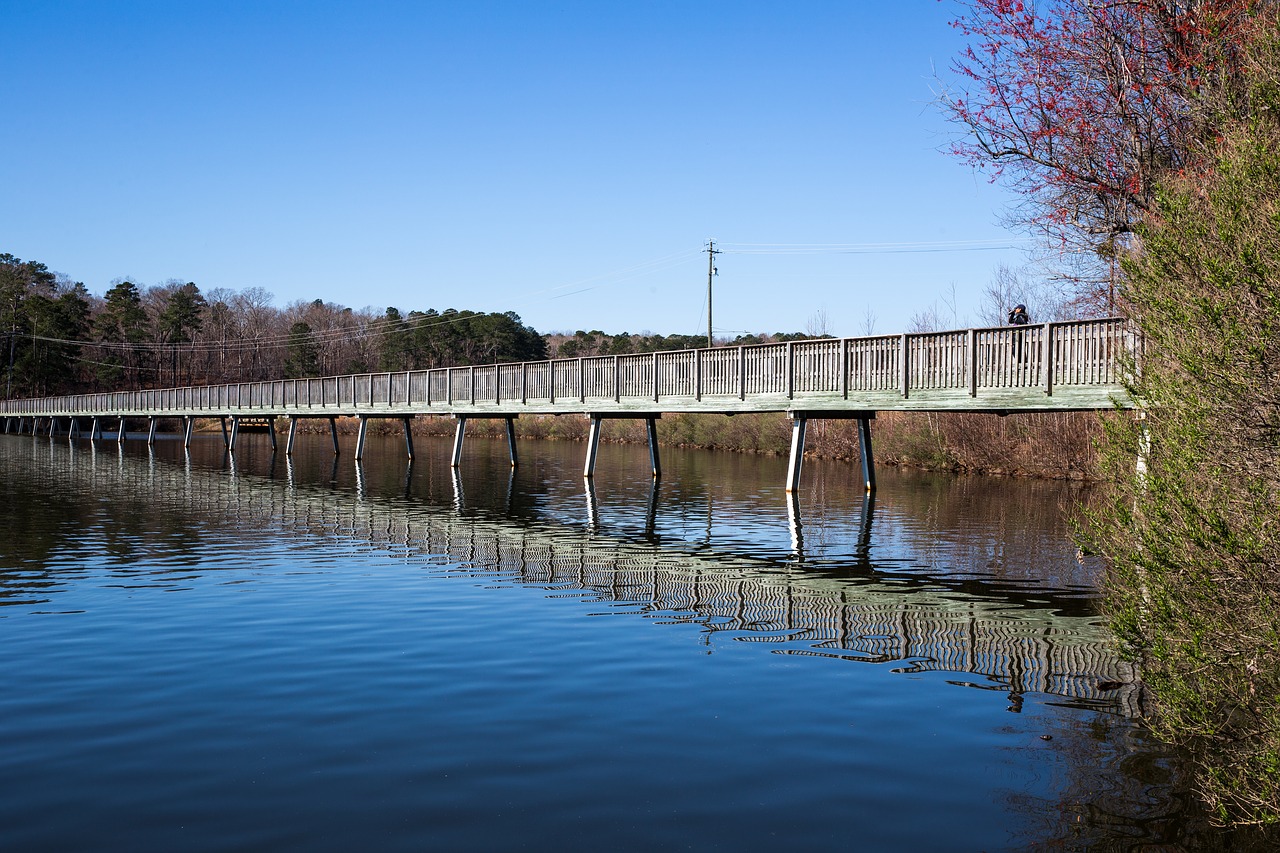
<point>58,338</point>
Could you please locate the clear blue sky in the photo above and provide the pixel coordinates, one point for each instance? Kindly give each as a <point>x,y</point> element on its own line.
<point>565,160</point>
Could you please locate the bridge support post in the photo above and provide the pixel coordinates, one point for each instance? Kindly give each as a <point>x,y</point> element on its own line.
<point>364,429</point>
<point>408,436</point>
<point>226,439</point>
<point>333,433</point>
<point>235,433</point>
<point>53,426</point>
<point>593,445</point>
<point>271,431</point>
<point>864,447</point>
<point>95,432</point>
<point>293,433</point>
<point>188,424</point>
<point>458,432</point>
<point>123,432</point>
<point>651,430</point>
<point>151,431</point>
<point>799,423</point>
<point>511,441</point>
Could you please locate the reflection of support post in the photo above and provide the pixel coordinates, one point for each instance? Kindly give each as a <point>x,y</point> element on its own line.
<point>235,433</point>
<point>293,435</point>
<point>651,430</point>
<point>151,431</point>
<point>459,432</point>
<point>408,436</point>
<point>864,446</point>
<point>864,529</point>
<point>795,526</point>
<point>188,425</point>
<point>459,499</point>
<point>271,431</point>
<point>593,445</point>
<point>799,423</point>
<point>593,515</point>
<point>333,433</point>
<point>511,440</point>
<point>359,477</point>
<point>360,436</point>
<point>651,517</point>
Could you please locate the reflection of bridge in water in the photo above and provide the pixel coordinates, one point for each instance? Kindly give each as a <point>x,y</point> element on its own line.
<point>1003,640</point>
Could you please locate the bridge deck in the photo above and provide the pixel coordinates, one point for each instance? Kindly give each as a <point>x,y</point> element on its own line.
<point>1075,365</point>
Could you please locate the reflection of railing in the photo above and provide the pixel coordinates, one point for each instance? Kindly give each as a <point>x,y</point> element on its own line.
<point>1054,365</point>
<point>1014,646</point>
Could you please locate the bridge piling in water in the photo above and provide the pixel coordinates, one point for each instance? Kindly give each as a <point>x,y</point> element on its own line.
<point>593,439</point>
<point>459,431</point>
<point>799,426</point>
<point>360,436</point>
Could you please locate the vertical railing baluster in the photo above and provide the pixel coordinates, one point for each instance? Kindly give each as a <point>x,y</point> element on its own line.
<point>904,360</point>
<point>1046,358</point>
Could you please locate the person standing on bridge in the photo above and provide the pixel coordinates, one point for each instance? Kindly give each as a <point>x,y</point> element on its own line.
<point>1018,317</point>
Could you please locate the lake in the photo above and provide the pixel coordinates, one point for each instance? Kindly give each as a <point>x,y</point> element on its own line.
<point>257,653</point>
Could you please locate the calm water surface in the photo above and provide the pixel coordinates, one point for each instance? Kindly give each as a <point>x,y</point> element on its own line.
<point>259,654</point>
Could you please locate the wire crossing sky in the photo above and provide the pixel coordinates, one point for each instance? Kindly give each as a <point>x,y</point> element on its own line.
<point>566,161</point>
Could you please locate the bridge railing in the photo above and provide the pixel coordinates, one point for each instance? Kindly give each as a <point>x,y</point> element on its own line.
<point>1047,356</point>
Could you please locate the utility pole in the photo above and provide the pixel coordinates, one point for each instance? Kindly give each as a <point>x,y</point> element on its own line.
<point>711,272</point>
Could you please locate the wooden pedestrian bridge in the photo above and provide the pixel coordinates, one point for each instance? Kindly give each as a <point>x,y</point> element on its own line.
<point>1067,366</point>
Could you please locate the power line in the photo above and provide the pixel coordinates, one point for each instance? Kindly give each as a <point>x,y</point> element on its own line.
<point>910,247</point>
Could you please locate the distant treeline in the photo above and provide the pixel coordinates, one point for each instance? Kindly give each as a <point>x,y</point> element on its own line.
<point>58,338</point>
<point>582,344</point>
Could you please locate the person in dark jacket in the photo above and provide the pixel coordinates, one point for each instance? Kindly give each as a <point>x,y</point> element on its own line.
<point>1019,316</point>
